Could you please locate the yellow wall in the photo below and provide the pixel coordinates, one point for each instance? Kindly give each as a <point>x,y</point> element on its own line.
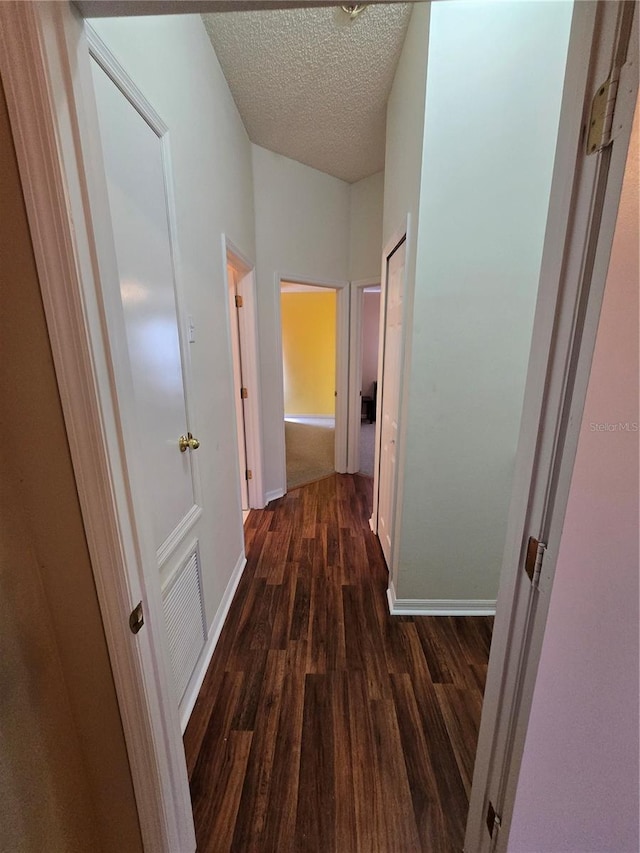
<point>309,352</point>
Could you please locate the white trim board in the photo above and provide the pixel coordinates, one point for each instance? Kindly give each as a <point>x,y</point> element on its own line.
<point>305,417</point>
<point>193,688</point>
<point>438,606</point>
<point>248,329</point>
<point>274,494</point>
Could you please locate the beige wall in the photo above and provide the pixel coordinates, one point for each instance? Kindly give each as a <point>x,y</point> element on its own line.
<point>64,775</point>
<point>365,227</point>
<point>484,193</point>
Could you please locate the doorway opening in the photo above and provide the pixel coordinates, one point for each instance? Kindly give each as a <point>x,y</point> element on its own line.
<point>363,374</point>
<point>308,319</point>
<point>314,352</point>
<point>369,346</point>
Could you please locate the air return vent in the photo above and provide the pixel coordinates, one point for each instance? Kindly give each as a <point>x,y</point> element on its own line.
<point>184,614</point>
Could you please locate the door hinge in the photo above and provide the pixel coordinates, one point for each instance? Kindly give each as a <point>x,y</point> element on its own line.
<point>244,393</point>
<point>239,302</point>
<point>611,108</point>
<point>533,562</point>
<point>248,474</point>
<point>493,821</point>
<point>136,618</point>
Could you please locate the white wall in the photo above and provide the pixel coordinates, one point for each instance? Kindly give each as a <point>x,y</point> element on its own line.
<point>302,231</point>
<point>403,163</point>
<point>490,133</point>
<point>365,227</point>
<point>405,131</point>
<point>171,60</point>
<point>580,765</point>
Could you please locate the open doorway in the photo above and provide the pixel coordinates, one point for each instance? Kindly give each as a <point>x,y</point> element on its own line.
<point>363,374</point>
<point>314,348</point>
<point>308,318</point>
<point>369,346</point>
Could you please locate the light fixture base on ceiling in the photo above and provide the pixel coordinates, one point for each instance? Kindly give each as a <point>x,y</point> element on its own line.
<point>354,9</point>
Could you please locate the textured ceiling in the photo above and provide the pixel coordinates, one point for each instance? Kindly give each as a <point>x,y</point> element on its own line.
<point>311,83</point>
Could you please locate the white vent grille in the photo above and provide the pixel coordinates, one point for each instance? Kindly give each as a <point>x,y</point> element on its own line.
<point>184,614</point>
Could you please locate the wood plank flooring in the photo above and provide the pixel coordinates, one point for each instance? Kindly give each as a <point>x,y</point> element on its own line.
<point>323,723</point>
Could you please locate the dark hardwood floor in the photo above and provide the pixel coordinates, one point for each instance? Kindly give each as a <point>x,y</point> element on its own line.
<point>323,723</point>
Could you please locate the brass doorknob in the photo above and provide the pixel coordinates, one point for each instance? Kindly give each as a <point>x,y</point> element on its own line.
<point>188,442</point>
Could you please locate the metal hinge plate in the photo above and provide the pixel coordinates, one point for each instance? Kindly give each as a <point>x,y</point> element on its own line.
<point>248,474</point>
<point>239,302</point>
<point>533,562</point>
<point>244,393</point>
<point>612,107</point>
<point>136,618</point>
<point>493,820</point>
<point>601,117</point>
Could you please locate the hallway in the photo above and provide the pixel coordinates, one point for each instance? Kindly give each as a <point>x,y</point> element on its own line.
<point>324,724</point>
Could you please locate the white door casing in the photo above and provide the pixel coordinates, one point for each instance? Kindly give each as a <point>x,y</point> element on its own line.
<point>245,321</point>
<point>238,383</point>
<point>389,397</point>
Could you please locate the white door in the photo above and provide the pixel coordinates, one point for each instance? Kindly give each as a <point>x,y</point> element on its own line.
<point>390,402</point>
<point>238,384</point>
<point>137,185</point>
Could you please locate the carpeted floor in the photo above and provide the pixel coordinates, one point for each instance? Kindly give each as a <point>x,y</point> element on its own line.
<point>310,452</point>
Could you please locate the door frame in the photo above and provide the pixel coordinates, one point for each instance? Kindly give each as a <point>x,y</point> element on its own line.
<point>43,62</point>
<point>578,239</point>
<point>342,365</point>
<point>355,369</point>
<point>403,233</point>
<point>248,329</point>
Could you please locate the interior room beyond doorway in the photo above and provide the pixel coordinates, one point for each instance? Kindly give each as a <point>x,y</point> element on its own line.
<point>308,316</point>
<point>370,333</point>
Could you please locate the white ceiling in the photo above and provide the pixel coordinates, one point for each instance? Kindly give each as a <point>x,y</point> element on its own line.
<point>311,83</point>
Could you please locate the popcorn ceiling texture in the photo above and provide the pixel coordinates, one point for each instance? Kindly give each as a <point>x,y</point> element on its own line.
<point>311,84</point>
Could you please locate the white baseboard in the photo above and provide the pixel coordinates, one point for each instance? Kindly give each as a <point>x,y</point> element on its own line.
<point>438,606</point>
<point>291,415</point>
<point>274,494</point>
<point>193,688</point>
